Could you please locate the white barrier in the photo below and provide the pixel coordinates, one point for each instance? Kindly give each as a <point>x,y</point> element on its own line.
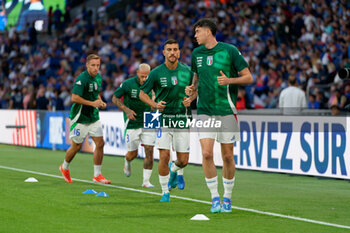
<point>18,127</point>
<point>305,145</point>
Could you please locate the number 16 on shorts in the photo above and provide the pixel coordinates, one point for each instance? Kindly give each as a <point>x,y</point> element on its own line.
<point>76,132</point>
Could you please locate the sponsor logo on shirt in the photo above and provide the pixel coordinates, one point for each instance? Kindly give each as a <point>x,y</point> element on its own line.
<point>91,87</point>
<point>209,60</point>
<point>78,83</point>
<point>134,93</point>
<point>163,82</point>
<point>199,61</point>
<point>174,80</point>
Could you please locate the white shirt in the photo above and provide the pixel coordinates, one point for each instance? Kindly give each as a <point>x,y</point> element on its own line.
<point>292,100</point>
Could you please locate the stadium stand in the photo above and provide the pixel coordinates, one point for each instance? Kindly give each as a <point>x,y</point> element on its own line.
<point>307,39</point>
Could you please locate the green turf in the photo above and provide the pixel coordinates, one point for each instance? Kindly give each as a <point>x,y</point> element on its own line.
<point>55,206</point>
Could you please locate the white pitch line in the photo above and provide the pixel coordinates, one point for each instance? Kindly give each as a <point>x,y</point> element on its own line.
<point>187,199</point>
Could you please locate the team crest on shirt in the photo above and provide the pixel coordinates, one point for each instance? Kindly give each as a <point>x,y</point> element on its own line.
<point>95,84</point>
<point>174,80</point>
<point>209,60</point>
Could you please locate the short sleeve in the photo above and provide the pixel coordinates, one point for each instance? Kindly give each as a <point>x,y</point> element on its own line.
<point>121,91</point>
<point>149,84</point>
<point>237,59</point>
<point>78,87</point>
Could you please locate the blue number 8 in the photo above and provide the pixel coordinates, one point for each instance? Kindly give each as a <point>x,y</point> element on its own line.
<point>127,138</point>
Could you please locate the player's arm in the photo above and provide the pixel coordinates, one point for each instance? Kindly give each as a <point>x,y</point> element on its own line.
<point>192,90</point>
<point>129,113</point>
<point>80,100</point>
<point>153,98</point>
<point>146,99</point>
<point>244,78</point>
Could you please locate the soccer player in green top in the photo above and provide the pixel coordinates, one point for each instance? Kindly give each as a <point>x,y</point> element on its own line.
<point>219,69</point>
<point>169,81</point>
<point>133,109</point>
<point>84,118</point>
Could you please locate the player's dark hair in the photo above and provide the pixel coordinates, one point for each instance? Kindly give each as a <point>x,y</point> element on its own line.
<point>170,41</point>
<point>207,23</point>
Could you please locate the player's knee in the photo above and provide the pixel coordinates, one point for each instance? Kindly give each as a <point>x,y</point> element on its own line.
<point>79,146</point>
<point>149,152</point>
<point>182,163</point>
<point>164,159</point>
<point>227,158</point>
<point>207,155</point>
<point>76,147</point>
<point>100,144</point>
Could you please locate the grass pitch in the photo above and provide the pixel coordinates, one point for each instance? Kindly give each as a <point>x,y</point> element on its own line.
<point>51,205</point>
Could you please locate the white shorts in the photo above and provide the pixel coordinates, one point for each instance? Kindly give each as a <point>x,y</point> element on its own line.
<point>178,138</point>
<point>80,131</point>
<point>228,132</point>
<point>133,138</point>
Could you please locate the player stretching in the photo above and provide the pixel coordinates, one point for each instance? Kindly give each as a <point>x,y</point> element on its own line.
<point>84,118</point>
<point>133,109</point>
<point>219,68</point>
<point>168,81</point>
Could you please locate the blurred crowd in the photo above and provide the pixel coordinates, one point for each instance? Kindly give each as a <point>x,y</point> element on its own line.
<point>306,39</point>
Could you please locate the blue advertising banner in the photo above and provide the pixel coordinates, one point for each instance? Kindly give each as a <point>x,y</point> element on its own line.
<point>53,130</point>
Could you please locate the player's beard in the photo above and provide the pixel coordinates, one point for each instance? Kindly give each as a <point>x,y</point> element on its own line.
<point>93,73</point>
<point>172,61</point>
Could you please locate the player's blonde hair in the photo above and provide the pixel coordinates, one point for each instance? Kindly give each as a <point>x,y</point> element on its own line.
<point>92,56</point>
<point>144,66</point>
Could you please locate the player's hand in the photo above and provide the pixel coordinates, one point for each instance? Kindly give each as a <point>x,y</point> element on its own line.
<point>161,105</point>
<point>131,114</point>
<point>187,101</point>
<point>104,105</point>
<point>189,90</point>
<point>97,103</point>
<point>223,79</point>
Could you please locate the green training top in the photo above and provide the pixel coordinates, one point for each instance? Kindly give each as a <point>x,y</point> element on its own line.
<point>88,88</point>
<point>130,89</point>
<point>214,99</point>
<point>169,86</point>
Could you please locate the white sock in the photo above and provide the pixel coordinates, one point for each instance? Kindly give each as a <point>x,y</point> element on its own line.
<point>180,172</point>
<point>228,186</point>
<point>97,170</point>
<point>212,184</point>
<point>163,180</point>
<point>127,163</point>
<point>146,175</point>
<point>174,168</point>
<point>65,165</point>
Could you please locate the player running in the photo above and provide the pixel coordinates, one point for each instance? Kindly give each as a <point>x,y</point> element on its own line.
<point>168,81</point>
<point>133,109</point>
<point>84,118</point>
